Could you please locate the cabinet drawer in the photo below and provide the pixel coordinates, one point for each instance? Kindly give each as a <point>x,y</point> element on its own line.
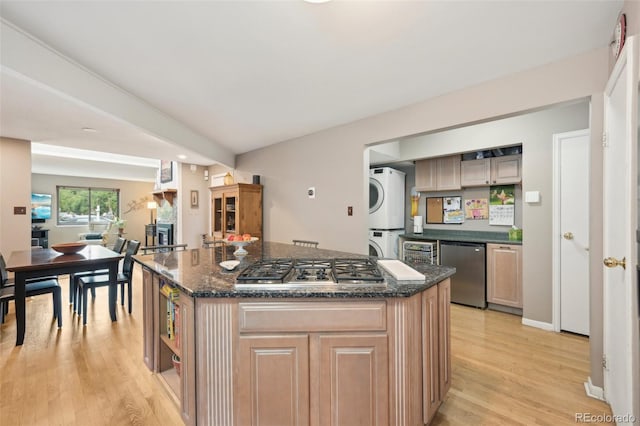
<point>312,316</point>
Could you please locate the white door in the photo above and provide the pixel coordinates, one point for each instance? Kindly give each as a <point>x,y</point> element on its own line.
<point>619,226</point>
<point>572,180</point>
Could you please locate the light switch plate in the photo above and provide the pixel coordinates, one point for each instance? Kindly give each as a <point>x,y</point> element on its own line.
<point>311,192</point>
<point>532,197</point>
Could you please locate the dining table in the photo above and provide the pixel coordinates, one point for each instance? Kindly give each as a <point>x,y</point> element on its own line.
<point>44,262</point>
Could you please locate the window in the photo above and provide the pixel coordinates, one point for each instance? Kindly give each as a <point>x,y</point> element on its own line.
<point>82,206</point>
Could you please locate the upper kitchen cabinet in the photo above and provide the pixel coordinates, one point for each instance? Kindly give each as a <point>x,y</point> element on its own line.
<point>236,209</point>
<point>438,174</point>
<point>492,171</point>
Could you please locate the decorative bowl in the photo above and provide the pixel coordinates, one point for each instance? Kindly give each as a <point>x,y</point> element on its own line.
<point>175,360</point>
<point>230,265</point>
<point>240,251</point>
<point>68,248</point>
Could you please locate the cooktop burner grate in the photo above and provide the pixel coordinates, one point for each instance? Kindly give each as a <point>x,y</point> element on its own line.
<point>312,270</point>
<point>356,270</point>
<point>267,270</point>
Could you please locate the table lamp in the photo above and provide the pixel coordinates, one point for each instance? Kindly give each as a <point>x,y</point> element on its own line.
<point>151,205</point>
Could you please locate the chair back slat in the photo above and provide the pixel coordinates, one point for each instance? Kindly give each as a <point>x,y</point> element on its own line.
<point>132,250</point>
<point>4,275</point>
<point>118,246</point>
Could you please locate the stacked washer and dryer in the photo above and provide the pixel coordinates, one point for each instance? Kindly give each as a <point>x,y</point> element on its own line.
<point>386,211</point>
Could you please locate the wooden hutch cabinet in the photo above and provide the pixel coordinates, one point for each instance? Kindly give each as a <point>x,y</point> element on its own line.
<point>236,209</point>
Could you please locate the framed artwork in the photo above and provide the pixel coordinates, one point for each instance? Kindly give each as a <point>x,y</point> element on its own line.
<point>194,198</point>
<point>166,171</point>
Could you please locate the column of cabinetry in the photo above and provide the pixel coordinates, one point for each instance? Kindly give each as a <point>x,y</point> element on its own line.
<point>236,209</point>
<point>504,274</point>
<point>160,345</point>
<point>491,171</point>
<point>436,347</point>
<point>438,174</point>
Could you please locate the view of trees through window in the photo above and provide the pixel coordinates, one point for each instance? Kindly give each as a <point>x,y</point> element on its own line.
<point>78,206</point>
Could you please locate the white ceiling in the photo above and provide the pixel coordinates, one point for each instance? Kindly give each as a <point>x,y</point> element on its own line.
<point>240,75</point>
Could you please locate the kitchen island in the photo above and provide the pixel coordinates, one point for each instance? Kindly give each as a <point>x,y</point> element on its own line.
<point>316,354</point>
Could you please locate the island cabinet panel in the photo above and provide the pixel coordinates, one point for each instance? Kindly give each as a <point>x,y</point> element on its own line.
<point>273,366</point>
<point>312,316</point>
<point>444,336</point>
<point>405,360</point>
<point>436,347</point>
<point>147,318</point>
<point>216,347</point>
<point>188,360</point>
<point>430,354</point>
<point>352,380</point>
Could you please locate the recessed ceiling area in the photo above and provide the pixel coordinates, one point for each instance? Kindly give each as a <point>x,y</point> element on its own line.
<point>210,80</point>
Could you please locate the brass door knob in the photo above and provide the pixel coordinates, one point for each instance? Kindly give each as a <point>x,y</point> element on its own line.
<point>611,262</point>
<point>568,236</point>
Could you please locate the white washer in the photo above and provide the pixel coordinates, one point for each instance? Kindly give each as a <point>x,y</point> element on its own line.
<point>386,198</point>
<point>384,244</point>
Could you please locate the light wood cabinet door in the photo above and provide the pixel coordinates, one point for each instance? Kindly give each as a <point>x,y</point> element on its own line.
<point>273,380</point>
<point>353,380</point>
<point>444,336</point>
<point>426,171</point>
<point>430,354</point>
<point>448,173</point>
<point>438,174</point>
<point>506,170</point>
<point>475,172</point>
<point>504,274</point>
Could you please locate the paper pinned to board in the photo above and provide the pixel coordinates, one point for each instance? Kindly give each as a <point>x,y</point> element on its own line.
<point>401,271</point>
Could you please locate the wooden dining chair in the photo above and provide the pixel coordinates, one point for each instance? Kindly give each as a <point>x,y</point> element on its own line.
<point>305,243</point>
<point>84,283</point>
<point>118,246</point>
<point>34,287</point>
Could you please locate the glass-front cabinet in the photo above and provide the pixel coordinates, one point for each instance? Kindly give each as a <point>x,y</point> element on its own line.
<point>236,210</point>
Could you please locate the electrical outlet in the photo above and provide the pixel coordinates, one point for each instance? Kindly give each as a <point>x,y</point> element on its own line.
<point>311,192</point>
<point>350,211</point>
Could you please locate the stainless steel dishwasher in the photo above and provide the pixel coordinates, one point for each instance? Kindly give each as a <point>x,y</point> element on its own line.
<point>468,286</point>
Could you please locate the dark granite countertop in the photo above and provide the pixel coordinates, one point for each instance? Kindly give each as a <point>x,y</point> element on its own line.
<point>198,273</point>
<point>464,236</point>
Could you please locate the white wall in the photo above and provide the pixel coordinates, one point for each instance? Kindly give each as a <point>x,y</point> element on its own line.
<point>15,191</point>
<point>195,220</point>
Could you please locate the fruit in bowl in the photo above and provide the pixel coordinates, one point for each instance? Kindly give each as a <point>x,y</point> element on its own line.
<point>246,237</point>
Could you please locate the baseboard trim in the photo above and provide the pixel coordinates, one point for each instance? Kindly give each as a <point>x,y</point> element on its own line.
<point>537,324</point>
<point>593,391</point>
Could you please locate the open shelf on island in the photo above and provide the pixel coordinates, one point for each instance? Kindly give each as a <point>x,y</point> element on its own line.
<point>171,344</point>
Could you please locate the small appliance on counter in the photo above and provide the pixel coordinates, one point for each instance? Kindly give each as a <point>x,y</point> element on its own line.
<point>417,225</point>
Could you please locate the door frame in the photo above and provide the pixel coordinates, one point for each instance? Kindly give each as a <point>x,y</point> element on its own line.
<point>555,226</point>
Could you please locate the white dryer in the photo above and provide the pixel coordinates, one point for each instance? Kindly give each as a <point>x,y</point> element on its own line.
<point>386,198</point>
<point>384,244</point>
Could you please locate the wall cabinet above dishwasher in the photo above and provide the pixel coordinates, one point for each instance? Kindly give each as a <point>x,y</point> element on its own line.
<point>438,174</point>
<point>491,171</point>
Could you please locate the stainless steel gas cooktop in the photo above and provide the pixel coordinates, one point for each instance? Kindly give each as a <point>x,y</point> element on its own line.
<point>299,273</point>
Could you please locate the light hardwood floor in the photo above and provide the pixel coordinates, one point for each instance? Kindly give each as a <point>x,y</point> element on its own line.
<point>503,372</point>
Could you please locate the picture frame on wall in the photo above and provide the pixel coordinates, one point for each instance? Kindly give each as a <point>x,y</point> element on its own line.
<point>194,198</point>
<point>166,171</point>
